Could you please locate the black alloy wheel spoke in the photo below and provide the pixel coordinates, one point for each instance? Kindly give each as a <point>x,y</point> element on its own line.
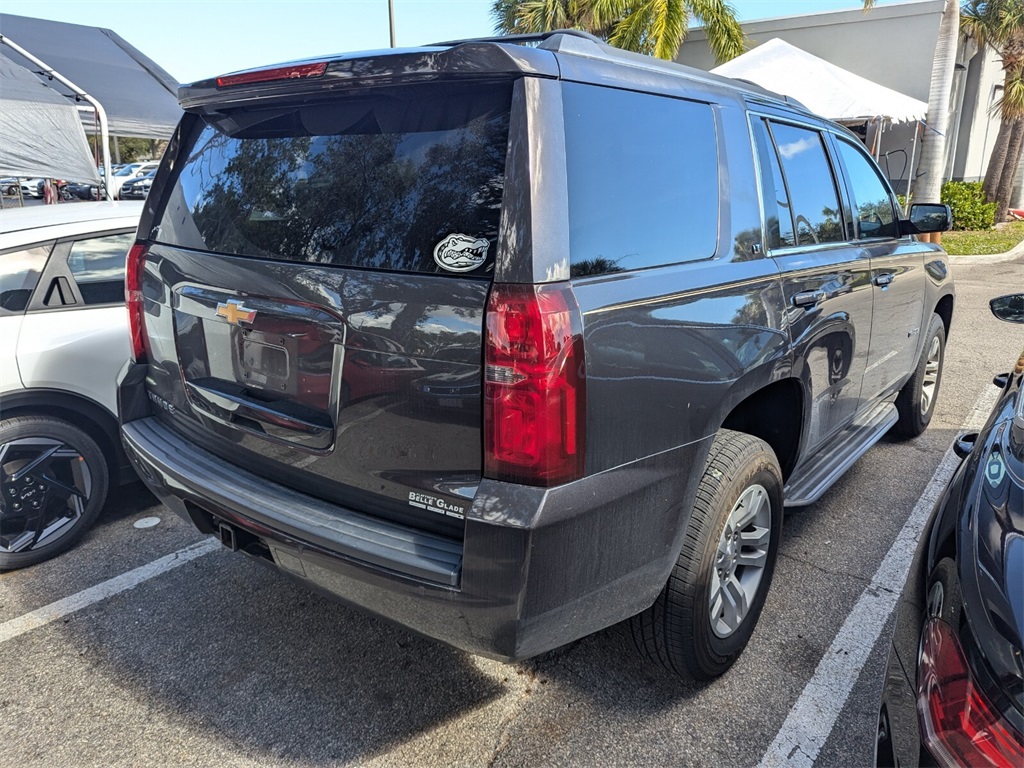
<point>58,490</point>
<point>42,461</point>
<point>43,491</point>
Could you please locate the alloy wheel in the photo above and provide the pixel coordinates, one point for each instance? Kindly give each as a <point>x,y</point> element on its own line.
<point>740,560</point>
<point>44,490</point>
<point>930,382</point>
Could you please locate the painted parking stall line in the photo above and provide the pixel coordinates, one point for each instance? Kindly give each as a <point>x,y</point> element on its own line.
<point>814,715</point>
<point>57,610</point>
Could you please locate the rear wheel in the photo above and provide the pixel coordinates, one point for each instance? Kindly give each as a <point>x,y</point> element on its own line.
<point>915,403</point>
<point>707,611</point>
<point>53,483</point>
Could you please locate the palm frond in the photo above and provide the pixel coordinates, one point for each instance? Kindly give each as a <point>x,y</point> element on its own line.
<point>654,27</point>
<point>631,32</point>
<point>669,23</point>
<point>605,13</point>
<point>541,15</point>
<point>973,23</point>
<point>504,13</point>
<point>1011,103</point>
<point>724,34</point>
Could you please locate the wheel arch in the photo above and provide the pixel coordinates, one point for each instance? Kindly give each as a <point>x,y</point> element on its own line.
<point>944,309</point>
<point>773,413</point>
<point>85,413</point>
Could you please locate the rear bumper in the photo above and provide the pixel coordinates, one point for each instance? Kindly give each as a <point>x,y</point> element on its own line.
<point>537,568</point>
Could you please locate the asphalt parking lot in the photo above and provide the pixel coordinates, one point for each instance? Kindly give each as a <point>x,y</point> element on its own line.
<point>153,646</point>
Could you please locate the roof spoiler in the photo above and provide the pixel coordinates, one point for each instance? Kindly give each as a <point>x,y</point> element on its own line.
<point>525,39</point>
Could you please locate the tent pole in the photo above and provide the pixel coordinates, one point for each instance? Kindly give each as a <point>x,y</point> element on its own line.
<point>100,113</point>
<point>910,167</point>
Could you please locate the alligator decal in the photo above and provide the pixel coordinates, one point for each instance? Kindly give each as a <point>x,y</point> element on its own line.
<point>461,253</point>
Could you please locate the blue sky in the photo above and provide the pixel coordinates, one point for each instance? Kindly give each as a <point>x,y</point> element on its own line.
<point>195,39</point>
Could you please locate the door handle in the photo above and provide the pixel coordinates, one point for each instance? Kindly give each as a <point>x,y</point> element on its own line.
<point>883,279</point>
<point>808,299</point>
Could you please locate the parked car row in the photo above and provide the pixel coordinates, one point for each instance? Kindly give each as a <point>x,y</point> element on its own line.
<point>136,176</point>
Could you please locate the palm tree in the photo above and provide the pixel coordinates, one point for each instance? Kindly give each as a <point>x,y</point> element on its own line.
<point>1000,24</point>
<point>655,27</point>
<point>940,89</point>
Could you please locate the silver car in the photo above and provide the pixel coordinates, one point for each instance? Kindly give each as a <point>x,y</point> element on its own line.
<point>63,338</point>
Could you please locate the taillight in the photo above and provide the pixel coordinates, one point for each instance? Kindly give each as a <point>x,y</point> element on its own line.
<point>960,725</point>
<point>534,405</point>
<point>290,72</point>
<point>134,268</point>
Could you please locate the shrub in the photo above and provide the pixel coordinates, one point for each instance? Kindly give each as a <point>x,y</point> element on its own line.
<point>967,200</point>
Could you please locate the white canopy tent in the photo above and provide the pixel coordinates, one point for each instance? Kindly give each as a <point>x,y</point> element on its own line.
<point>824,88</point>
<point>40,131</point>
<point>49,71</point>
<point>830,91</point>
<point>139,96</point>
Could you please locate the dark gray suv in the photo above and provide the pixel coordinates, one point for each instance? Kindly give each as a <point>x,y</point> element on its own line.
<point>511,340</point>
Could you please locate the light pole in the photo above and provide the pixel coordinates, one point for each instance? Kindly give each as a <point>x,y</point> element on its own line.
<point>391,20</point>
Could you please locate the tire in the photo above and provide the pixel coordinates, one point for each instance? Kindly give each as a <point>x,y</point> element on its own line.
<point>742,484</point>
<point>69,480</point>
<point>943,599</point>
<point>915,403</point>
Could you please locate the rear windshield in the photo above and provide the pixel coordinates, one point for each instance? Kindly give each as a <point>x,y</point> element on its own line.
<point>406,179</point>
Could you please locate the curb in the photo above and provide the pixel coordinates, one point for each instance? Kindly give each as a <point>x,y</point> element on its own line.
<point>990,258</point>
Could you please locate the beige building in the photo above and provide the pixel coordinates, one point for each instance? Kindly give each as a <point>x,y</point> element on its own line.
<point>893,45</point>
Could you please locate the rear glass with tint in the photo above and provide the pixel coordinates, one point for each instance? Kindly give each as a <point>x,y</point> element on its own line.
<point>378,181</point>
<point>642,177</point>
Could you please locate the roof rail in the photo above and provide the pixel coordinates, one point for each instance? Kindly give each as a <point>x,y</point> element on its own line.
<point>526,39</point>
<point>629,58</point>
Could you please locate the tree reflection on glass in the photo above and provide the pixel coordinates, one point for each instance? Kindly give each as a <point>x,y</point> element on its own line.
<point>370,199</point>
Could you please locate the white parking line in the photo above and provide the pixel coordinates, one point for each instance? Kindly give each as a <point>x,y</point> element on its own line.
<point>42,616</point>
<point>814,715</point>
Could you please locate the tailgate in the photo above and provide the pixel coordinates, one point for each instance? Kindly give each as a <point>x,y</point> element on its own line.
<point>316,291</point>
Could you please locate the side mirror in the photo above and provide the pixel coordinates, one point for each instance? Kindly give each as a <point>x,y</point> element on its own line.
<point>1009,308</point>
<point>927,217</point>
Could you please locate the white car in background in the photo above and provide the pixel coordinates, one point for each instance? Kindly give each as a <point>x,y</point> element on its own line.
<point>129,172</point>
<point>63,339</point>
<point>29,187</point>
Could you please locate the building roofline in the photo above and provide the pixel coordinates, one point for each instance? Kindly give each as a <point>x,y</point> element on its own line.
<point>831,18</point>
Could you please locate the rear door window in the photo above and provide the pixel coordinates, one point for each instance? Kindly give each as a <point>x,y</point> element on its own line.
<point>642,179</point>
<point>775,198</point>
<point>812,189</point>
<point>404,178</point>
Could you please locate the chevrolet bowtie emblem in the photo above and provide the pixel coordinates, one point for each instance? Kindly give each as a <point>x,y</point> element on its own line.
<point>235,312</point>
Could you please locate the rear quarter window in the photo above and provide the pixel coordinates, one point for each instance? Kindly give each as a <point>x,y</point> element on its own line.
<point>379,180</point>
<point>642,179</point>
<point>19,273</point>
<point>97,264</point>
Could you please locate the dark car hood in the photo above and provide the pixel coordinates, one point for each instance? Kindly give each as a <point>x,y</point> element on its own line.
<point>992,545</point>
